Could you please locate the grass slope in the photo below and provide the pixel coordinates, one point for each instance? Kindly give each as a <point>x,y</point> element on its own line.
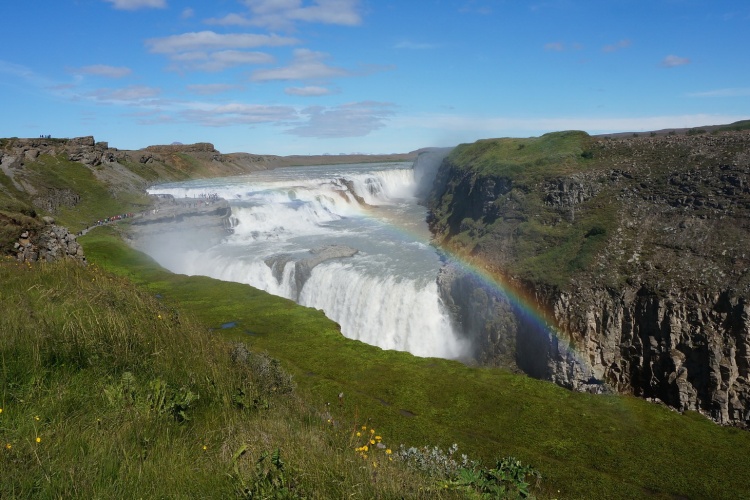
<point>585,446</point>
<point>107,392</point>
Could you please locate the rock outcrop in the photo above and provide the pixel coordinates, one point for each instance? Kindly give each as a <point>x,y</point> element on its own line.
<point>627,272</point>
<point>48,244</point>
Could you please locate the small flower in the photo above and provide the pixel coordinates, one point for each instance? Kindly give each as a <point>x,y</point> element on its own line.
<point>359,434</point>
<point>205,447</point>
<point>36,417</point>
<point>378,438</point>
<point>159,316</point>
<point>38,439</point>
<point>1,410</point>
<point>372,431</point>
<point>372,441</point>
<point>364,427</point>
<point>388,451</point>
<point>364,448</point>
<point>8,446</point>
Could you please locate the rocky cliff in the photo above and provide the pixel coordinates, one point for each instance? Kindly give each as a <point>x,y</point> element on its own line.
<point>631,254</point>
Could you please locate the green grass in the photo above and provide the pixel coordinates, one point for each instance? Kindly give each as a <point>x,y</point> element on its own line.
<point>585,446</point>
<point>96,201</point>
<point>524,160</point>
<point>107,392</point>
<point>736,126</point>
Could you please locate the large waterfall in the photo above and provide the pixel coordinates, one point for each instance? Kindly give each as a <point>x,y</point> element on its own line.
<point>348,239</point>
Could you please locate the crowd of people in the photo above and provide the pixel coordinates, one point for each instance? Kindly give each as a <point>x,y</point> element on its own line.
<point>107,220</point>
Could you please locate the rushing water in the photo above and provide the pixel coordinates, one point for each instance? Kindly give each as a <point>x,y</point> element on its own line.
<point>385,294</point>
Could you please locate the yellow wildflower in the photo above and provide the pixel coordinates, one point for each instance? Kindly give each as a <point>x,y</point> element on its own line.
<point>36,417</point>
<point>378,438</point>
<point>372,431</point>
<point>364,448</point>
<point>359,434</point>
<point>8,446</point>
<point>372,441</point>
<point>205,447</point>
<point>38,439</point>
<point>388,451</point>
<point>364,427</point>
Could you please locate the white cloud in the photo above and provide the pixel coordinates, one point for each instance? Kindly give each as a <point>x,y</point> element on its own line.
<point>674,61</point>
<point>104,70</point>
<point>554,46</point>
<point>217,61</point>
<point>238,114</point>
<point>209,40</point>
<point>283,14</point>
<point>348,120</point>
<point>229,20</point>
<point>307,91</point>
<point>622,44</point>
<point>137,4</point>
<point>732,92</point>
<point>187,13</point>
<point>133,93</point>
<point>306,65</point>
<point>212,88</point>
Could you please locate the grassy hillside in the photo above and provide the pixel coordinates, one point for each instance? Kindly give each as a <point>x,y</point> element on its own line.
<point>585,446</point>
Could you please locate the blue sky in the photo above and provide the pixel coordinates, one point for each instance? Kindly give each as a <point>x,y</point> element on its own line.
<point>342,76</point>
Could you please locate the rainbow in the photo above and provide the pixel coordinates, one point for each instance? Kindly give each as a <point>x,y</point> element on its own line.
<point>536,321</point>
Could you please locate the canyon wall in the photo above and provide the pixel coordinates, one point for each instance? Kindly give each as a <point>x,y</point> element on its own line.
<point>624,263</point>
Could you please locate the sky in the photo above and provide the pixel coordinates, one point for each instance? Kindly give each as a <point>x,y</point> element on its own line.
<point>367,76</point>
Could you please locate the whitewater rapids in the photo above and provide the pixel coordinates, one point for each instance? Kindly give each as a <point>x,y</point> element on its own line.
<point>380,284</point>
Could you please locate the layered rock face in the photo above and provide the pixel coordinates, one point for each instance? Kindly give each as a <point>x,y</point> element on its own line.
<point>628,274</point>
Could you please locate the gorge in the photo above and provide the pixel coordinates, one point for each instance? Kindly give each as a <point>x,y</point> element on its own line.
<point>604,264</point>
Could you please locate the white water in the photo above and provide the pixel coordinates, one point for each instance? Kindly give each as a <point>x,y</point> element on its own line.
<point>385,295</point>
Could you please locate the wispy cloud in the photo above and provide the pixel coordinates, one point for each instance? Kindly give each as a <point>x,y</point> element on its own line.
<point>212,88</point>
<point>238,114</point>
<point>217,61</point>
<point>672,61</point>
<point>309,91</point>
<point>306,65</point>
<point>229,20</point>
<point>622,44</point>
<point>731,92</point>
<point>133,93</point>
<point>474,7</point>
<point>187,13</point>
<point>283,14</point>
<point>348,120</point>
<point>407,44</point>
<point>209,40</point>
<point>137,4</point>
<point>560,46</point>
<point>104,70</point>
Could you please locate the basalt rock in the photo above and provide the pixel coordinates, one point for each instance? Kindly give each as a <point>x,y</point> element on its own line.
<point>48,244</point>
<point>626,270</point>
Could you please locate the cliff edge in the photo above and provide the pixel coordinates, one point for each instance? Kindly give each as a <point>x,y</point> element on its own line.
<point>631,253</point>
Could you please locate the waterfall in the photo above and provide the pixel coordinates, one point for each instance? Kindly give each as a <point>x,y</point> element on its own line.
<point>350,240</point>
